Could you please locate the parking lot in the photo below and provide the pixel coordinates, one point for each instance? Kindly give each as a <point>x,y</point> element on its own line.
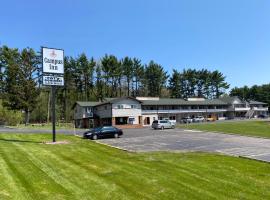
<point>146,139</point>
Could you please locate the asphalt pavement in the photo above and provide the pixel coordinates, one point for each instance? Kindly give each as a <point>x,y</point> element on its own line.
<point>145,140</point>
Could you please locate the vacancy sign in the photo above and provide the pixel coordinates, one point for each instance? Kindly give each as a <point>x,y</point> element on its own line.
<point>53,80</point>
<point>53,66</point>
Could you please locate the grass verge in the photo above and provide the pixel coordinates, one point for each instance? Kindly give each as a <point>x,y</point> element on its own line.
<point>249,128</point>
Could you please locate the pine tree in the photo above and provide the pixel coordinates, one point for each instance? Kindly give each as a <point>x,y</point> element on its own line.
<point>29,93</point>
<point>155,78</point>
<point>175,85</point>
<point>138,74</point>
<point>127,66</point>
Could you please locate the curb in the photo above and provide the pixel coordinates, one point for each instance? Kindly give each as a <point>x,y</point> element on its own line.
<point>119,148</point>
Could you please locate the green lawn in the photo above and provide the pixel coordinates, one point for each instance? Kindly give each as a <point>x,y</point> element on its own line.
<point>86,170</point>
<point>250,128</point>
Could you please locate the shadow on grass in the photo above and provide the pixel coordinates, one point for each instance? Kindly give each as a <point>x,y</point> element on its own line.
<point>15,140</point>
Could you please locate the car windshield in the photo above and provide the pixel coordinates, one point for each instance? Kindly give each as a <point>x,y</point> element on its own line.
<point>108,128</point>
<point>96,129</point>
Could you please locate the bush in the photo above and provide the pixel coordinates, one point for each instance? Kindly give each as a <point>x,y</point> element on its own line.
<point>10,117</point>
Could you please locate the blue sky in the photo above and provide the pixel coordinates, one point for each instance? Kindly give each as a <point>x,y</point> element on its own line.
<point>232,36</point>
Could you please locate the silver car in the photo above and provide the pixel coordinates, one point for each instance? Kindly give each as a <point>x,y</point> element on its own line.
<point>162,124</point>
<point>187,120</point>
<point>198,119</point>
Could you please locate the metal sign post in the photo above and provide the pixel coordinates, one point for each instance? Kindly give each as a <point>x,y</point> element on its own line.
<point>53,71</point>
<point>53,113</point>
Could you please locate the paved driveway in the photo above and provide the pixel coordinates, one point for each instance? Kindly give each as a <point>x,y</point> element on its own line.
<point>144,140</point>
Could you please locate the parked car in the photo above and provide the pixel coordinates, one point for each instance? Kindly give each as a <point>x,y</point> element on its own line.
<point>162,124</point>
<point>211,119</point>
<point>187,120</point>
<point>198,119</point>
<point>170,120</point>
<point>103,132</point>
<point>262,116</point>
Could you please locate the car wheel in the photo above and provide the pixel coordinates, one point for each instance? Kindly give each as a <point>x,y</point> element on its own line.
<point>162,127</point>
<point>116,135</point>
<point>173,127</point>
<point>94,137</point>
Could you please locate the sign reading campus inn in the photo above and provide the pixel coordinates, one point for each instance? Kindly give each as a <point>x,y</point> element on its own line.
<point>53,66</point>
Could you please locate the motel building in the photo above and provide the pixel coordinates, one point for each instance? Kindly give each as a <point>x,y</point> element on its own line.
<point>129,112</point>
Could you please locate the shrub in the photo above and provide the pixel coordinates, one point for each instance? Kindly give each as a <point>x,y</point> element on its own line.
<point>10,117</point>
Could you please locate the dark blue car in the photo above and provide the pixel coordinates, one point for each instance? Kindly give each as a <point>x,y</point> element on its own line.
<point>103,132</point>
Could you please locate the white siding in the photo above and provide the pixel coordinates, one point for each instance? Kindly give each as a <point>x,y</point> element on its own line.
<point>126,110</point>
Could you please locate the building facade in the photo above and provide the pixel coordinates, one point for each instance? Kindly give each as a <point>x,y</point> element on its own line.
<point>142,111</point>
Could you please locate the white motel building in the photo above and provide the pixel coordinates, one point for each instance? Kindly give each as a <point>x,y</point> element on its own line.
<point>126,112</point>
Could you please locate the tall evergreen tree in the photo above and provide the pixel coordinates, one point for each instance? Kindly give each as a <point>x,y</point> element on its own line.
<point>21,90</point>
<point>218,83</point>
<point>175,84</point>
<point>202,79</point>
<point>155,78</point>
<point>99,83</point>
<point>11,58</point>
<point>86,69</point>
<point>28,71</point>
<point>2,72</point>
<point>138,74</point>
<point>127,66</point>
<point>114,72</point>
<point>106,70</point>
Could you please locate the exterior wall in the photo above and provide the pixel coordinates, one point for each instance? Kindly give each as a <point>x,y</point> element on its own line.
<point>83,112</point>
<point>151,119</point>
<point>127,111</point>
<point>78,112</point>
<point>103,111</point>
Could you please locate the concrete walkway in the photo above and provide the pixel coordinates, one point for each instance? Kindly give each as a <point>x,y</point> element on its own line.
<point>144,140</point>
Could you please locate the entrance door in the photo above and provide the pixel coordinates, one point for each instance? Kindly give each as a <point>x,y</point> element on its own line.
<point>146,121</point>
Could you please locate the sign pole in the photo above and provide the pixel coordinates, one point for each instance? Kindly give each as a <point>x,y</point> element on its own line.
<point>53,75</point>
<point>53,112</point>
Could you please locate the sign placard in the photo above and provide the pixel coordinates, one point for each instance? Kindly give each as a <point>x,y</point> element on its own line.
<point>53,60</point>
<point>53,80</point>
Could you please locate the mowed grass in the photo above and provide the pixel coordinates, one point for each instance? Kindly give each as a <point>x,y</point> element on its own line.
<point>250,128</point>
<point>84,169</point>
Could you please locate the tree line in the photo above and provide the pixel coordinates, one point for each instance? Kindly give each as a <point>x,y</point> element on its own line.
<point>90,79</point>
<point>200,83</point>
<point>256,92</point>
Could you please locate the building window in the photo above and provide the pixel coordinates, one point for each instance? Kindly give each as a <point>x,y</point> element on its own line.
<point>133,106</point>
<point>89,110</point>
<point>120,106</point>
<point>172,118</point>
